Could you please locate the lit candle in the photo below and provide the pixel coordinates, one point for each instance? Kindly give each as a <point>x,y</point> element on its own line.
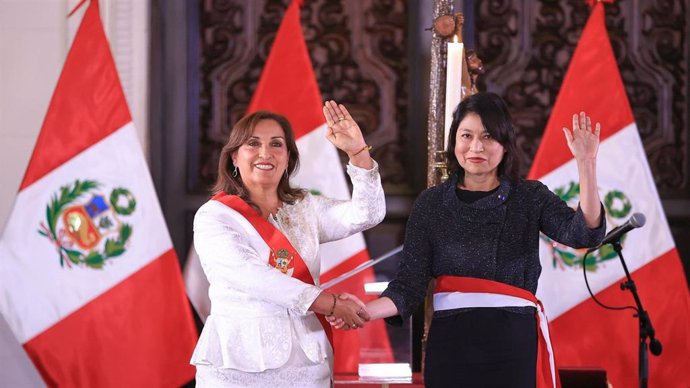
<point>454,62</point>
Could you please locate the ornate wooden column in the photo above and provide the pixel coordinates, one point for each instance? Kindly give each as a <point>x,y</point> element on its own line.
<point>437,93</point>
<point>446,25</point>
<point>436,160</point>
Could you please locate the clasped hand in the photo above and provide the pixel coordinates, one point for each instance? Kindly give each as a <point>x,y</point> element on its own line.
<point>349,313</point>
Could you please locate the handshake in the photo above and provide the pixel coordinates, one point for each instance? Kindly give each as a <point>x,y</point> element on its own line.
<point>348,312</point>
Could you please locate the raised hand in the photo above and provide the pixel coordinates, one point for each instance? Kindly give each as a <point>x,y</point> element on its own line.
<point>343,131</point>
<point>584,144</point>
<point>582,141</point>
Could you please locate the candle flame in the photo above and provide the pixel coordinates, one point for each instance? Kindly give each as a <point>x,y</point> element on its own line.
<point>455,38</point>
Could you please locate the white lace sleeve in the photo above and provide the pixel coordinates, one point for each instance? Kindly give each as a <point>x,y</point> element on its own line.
<point>341,218</point>
<point>228,258</point>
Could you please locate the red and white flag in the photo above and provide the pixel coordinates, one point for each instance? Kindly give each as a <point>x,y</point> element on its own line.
<point>89,282</point>
<point>288,86</point>
<point>585,334</point>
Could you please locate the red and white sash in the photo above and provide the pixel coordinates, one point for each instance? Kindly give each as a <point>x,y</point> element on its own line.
<point>284,257</point>
<point>454,292</point>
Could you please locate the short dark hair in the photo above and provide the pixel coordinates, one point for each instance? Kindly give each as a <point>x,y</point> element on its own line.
<point>497,121</point>
<point>240,133</point>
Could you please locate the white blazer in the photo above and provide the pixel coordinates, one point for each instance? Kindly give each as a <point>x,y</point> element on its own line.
<point>258,313</point>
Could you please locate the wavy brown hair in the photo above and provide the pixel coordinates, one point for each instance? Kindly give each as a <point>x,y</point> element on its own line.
<point>239,135</point>
<point>497,121</point>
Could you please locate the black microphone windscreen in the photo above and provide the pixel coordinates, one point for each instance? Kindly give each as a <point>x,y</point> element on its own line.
<point>655,347</point>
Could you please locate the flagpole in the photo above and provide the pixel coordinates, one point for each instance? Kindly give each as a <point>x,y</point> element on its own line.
<point>360,268</point>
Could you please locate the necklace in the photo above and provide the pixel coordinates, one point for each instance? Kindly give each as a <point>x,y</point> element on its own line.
<point>271,212</point>
<point>274,213</point>
<point>284,218</point>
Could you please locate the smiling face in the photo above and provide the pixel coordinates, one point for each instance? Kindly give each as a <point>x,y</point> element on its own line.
<point>263,158</point>
<point>477,152</point>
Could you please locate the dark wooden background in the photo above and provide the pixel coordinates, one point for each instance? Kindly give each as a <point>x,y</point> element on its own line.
<point>373,56</point>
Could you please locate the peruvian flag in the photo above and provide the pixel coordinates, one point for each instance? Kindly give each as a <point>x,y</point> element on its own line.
<point>585,334</point>
<point>89,282</point>
<point>288,86</point>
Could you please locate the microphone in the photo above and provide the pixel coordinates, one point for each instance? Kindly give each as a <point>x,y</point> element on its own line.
<point>637,220</point>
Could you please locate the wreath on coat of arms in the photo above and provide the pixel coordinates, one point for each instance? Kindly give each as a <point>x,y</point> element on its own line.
<point>85,227</point>
<point>617,206</point>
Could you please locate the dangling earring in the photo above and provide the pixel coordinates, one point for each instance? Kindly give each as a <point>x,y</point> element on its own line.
<point>234,172</point>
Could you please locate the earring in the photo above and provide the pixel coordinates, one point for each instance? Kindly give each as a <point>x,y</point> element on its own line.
<point>234,172</point>
<point>286,174</point>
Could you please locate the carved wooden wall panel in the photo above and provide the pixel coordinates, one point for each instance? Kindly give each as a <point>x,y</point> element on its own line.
<point>526,47</point>
<point>358,50</point>
<point>207,57</point>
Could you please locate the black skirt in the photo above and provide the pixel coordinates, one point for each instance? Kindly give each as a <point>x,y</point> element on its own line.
<point>482,348</point>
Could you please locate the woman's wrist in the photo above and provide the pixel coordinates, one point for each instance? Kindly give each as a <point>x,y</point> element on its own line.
<point>359,150</point>
<point>335,301</point>
<point>361,157</point>
<point>325,303</point>
<point>382,307</point>
<point>586,162</point>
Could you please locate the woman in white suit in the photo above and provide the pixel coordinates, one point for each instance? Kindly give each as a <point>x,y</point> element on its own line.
<point>258,243</point>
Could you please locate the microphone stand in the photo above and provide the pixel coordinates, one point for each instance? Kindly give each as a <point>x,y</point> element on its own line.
<point>646,328</point>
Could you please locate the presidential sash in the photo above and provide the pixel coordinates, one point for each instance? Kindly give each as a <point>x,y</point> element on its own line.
<point>454,292</point>
<point>283,256</point>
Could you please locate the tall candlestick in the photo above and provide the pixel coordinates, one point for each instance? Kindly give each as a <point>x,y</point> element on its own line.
<point>454,63</point>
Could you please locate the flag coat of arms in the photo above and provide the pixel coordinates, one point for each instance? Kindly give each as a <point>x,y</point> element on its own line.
<point>288,86</point>
<point>89,281</point>
<point>585,334</point>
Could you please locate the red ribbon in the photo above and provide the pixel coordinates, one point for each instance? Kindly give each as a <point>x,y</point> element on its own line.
<point>476,285</point>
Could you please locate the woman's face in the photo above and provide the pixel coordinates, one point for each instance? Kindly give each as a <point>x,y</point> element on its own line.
<point>477,152</point>
<point>263,158</point>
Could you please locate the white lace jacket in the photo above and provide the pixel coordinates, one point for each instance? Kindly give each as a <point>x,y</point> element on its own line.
<point>257,312</point>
